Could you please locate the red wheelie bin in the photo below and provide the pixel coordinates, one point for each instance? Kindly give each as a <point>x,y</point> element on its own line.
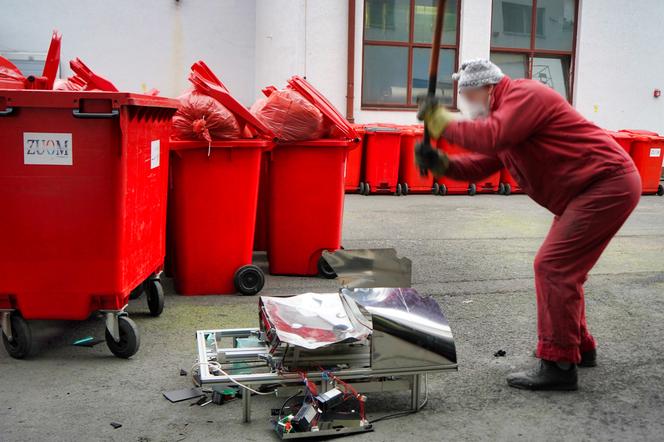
<point>306,194</point>
<point>381,160</point>
<point>449,186</point>
<point>214,197</point>
<point>647,152</point>
<point>354,163</point>
<point>409,175</point>
<point>624,139</point>
<point>85,177</point>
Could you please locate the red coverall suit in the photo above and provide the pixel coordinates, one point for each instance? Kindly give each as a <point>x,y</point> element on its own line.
<point>573,168</point>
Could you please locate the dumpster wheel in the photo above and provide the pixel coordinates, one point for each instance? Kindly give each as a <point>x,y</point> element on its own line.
<point>660,190</point>
<point>435,189</point>
<point>406,189</point>
<point>508,189</point>
<point>399,190</point>
<point>19,345</point>
<point>325,269</point>
<point>361,191</point>
<point>155,296</point>
<point>501,189</point>
<point>472,189</point>
<point>443,190</point>
<point>249,280</point>
<point>129,341</point>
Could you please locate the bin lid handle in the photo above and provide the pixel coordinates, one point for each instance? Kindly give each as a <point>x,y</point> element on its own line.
<point>323,104</point>
<point>222,96</point>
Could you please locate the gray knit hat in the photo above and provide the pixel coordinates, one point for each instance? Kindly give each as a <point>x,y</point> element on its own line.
<point>477,73</point>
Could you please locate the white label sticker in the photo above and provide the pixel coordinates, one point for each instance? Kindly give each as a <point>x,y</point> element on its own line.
<point>155,153</point>
<point>47,148</point>
<point>655,152</point>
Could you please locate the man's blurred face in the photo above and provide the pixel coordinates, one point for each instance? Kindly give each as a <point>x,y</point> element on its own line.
<point>477,101</point>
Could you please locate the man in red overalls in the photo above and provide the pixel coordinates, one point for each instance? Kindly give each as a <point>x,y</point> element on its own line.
<point>566,164</point>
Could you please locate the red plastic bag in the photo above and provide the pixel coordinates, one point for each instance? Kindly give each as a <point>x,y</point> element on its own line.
<point>66,85</point>
<point>200,117</point>
<point>290,116</point>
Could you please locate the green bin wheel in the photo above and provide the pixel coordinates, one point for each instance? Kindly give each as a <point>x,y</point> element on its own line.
<point>20,346</point>
<point>130,340</point>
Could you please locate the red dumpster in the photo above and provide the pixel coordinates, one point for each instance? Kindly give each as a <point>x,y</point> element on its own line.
<point>84,221</point>
<point>624,139</point>
<point>508,185</point>
<point>306,194</point>
<point>647,153</point>
<point>354,163</point>
<point>409,174</point>
<point>449,186</point>
<point>214,198</point>
<point>381,160</point>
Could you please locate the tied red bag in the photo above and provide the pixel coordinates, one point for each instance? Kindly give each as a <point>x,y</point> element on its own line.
<point>200,117</point>
<point>290,116</point>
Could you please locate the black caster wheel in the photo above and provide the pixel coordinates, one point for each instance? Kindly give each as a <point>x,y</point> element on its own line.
<point>508,190</point>
<point>501,189</point>
<point>249,280</point>
<point>361,191</point>
<point>325,270</point>
<point>406,189</point>
<point>20,346</point>
<point>472,189</point>
<point>367,189</point>
<point>660,190</point>
<point>130,340</point>
<point>155,296</point>
<point>443,190</point>
<point>435,189</point>
<point>399,190</point>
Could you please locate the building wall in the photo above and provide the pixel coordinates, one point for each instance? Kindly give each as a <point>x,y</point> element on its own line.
<point>143,44</point>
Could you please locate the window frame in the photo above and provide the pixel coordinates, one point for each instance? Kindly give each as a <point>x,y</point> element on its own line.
<point>532,52</point>
<point>411,45</point>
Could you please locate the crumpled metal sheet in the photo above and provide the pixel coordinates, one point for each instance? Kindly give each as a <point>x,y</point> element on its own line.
<point>315,320</point>
<point>370,268</point>
<point>404,313</point>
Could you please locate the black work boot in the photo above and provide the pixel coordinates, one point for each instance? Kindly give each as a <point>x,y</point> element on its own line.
<point>588,358</point>
<point>546,375</point>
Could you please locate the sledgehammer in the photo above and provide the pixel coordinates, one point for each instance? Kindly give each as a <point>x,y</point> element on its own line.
<point>425,144</point>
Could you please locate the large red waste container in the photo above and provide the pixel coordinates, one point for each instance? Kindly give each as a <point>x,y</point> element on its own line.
<point>508,184</point>
<point>647,152</point>
<point>409,174</point>
<point>214,196</point>
<point>449,186</point>
<point>306,194</point>
<point>381,160</point>
<point>624,139</point>
<point>354,163</point>
<point>84,202</point>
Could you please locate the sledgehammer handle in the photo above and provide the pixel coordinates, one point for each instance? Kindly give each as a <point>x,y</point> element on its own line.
<point>433,69</point>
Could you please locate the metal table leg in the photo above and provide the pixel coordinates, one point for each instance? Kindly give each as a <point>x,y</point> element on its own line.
<point>246,405</point>
<point>416,392</point>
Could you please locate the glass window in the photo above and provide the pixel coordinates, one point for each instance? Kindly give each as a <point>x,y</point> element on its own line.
<point>397,47</point>
<point>445,86</point>
<point>387,20</point>
<point>385,74</point>
<point>511,24</point>
<point>513,65</point>
<point>546,56</point>
<point>425,15</point>
<point>553,72</point>
<point>555,24</point>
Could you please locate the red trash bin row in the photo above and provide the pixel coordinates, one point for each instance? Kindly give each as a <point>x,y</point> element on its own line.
<point>647,151</point>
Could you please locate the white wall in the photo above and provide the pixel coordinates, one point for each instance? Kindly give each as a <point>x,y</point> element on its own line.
<point>620,61</point>
<point>137,44</point>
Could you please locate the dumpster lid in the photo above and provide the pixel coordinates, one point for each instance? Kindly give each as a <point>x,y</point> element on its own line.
<point>205,82</point>
<point>52,62</point>
<point>72,99</point>
<point>640,134</point>
<point>92,80</point>
<point>323,104</point>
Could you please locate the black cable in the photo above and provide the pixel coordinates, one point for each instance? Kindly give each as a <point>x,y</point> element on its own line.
<point>401,413</point>
<point>281,410</point>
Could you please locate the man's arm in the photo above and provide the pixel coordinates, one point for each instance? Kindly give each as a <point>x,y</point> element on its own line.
<point>472,167</point>
<point>519,116</point>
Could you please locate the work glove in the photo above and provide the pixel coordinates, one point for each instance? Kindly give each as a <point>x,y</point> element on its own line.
<point>435,117</point>
<point>428,158</point>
